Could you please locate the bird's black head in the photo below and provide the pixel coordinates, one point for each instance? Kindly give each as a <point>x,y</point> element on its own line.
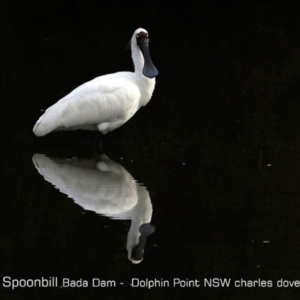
<point>142,39</point>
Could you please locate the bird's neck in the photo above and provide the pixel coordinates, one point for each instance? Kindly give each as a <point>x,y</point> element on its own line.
<point>138,60</point>
<point>145,84</point>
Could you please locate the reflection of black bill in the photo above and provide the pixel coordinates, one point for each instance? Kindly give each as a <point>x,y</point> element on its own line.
<point>137,253</point>
<point>149,69</point>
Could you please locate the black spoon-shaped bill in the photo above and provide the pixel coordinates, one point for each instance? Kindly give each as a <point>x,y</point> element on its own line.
<point>149,69</point>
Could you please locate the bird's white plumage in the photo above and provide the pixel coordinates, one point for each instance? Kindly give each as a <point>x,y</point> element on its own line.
<point>104,103</point>
<point>104,187</point>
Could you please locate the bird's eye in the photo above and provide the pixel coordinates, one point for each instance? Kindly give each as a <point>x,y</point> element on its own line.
<point>137,36</point>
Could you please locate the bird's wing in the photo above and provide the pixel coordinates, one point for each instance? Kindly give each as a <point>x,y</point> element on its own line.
<point>104,99</point>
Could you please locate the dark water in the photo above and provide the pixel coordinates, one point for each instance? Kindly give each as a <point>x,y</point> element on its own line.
<point>212,161</point>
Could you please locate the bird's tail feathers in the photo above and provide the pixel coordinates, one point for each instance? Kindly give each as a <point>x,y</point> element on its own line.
<point>45,124</point>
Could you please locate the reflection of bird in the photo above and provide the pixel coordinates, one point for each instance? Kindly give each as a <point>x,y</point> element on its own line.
<point>106,188</point>
<point>108,101</point>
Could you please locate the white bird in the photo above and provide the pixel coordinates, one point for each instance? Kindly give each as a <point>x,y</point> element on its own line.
<point>106,188</point>
<point>106,102</point>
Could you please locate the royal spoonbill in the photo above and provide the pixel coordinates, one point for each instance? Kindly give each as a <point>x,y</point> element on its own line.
<point>106,102</point>
<point>105,187</point>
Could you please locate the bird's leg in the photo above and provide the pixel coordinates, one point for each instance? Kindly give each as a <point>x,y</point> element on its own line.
<point>97,143</point>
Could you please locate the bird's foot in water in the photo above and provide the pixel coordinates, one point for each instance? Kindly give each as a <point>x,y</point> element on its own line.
<point>97,143</point>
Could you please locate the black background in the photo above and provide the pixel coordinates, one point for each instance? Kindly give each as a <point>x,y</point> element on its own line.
<point>226,104</point>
